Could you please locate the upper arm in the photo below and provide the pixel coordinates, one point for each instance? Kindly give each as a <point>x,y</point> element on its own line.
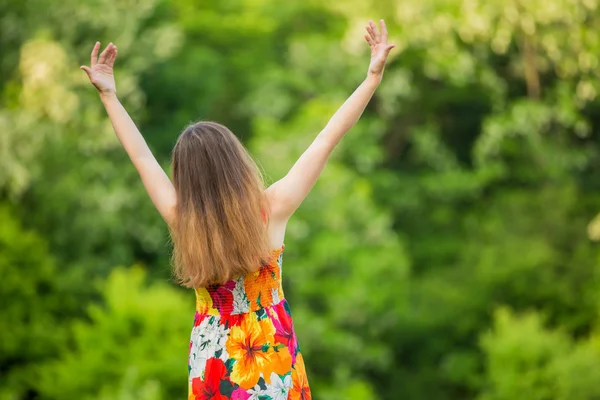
<point>159,187</point>
<point>286,195</point>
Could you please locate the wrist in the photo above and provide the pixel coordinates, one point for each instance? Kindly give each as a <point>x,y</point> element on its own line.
<point>107,95</point>
<point>374,79</point>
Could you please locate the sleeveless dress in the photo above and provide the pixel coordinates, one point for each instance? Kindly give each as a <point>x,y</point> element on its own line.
<point>243,345</point>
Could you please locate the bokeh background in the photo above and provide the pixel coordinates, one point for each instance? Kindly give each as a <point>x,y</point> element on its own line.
<point>448,251</point>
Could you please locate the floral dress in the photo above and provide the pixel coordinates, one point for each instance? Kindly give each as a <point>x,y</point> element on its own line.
<point>243,344</point>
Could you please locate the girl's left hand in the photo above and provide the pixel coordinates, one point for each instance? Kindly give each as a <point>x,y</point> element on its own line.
<point>380,49</point>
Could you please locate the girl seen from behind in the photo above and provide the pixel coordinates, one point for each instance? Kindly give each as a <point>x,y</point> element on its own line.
<point>228,234</point>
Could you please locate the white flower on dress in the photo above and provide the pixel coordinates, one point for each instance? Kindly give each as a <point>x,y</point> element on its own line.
<point>278,389</point>
<point>207,339</point>
<point>241,305</point>
<point>255,392</point>
<point>275,295</point>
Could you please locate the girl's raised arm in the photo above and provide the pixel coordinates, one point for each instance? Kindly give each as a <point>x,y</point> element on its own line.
<point>286,195</point>
<point>155,180</point>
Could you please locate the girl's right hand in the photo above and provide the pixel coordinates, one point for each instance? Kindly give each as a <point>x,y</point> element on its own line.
<point>380,48</point>
<point>100,71</point>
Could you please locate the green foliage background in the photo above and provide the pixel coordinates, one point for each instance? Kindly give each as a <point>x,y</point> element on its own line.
<point>447,252</point>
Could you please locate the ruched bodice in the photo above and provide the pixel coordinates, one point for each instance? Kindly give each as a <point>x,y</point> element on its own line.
<point>249,293</point>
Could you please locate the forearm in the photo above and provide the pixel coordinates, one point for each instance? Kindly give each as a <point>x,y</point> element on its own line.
<point>350,112</point>
<point>125,129</point>
<point>155,180</point>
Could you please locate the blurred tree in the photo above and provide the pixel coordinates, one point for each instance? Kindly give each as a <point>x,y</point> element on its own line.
<point>526,360</point>
<point>468,185</point>
<point>32,313</point>
<point>136,343</point>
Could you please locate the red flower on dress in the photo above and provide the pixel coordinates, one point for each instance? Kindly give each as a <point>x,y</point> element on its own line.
<point>284,329</point>
<point>231,320</point>
<point>222,297</point>
<point>209,388</point>
<point>198,318</point>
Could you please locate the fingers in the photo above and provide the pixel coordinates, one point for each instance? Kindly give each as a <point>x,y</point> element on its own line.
<point>375,31</point>
<point>87,70</point>
<point>384,31</point>
<point>370,40</point>
<point>104,56</point>
<point>112,56</point>
<point>372,33</point>
<point>94,55</point>
<point>376,35</point>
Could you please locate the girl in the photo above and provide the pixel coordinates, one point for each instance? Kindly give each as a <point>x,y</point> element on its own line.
<point>228,235</point>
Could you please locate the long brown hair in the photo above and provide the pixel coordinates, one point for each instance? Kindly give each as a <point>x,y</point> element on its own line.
<point>218,231</point>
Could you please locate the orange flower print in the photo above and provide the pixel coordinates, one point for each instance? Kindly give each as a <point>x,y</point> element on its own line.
<point>300,390</point>
<point>259,285</point>
<point>251,344</point>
